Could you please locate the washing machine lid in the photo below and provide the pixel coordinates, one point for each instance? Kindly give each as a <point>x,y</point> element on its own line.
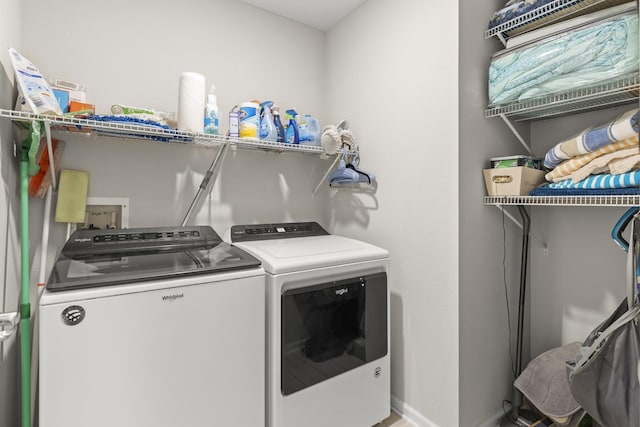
<point>297,250</point>
<point>93,258</point>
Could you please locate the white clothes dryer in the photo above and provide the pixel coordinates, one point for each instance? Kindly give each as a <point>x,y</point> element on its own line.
<point>327,325</point>
<point>153,327</point>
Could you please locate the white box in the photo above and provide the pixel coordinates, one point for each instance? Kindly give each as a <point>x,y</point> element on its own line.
<point>516,181</point>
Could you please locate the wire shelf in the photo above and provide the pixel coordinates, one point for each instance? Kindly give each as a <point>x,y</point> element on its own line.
<point>123,130</point>
<point>621,91</point>
<point>555,11</point>
<point>623,200</point>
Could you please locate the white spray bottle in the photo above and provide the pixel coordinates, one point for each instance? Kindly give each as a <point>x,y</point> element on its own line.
<point>211,120</point>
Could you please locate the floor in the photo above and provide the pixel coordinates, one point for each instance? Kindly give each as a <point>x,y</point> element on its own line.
<point>395,420</point>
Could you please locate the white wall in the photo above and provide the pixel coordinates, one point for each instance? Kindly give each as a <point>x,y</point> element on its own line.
<point>392,70</point>
<point>136,58</point>
<point>9,221</point>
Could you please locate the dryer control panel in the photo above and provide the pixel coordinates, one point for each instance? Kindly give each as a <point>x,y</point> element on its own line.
<point>247,233</point>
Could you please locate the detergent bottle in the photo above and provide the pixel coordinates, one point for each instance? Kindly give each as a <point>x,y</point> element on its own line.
<point>211,121</point>
<point>315,131</point>
<point>303,131</point>
<point>268,129</point>
<point>278,124</point>
<point>291,133</point>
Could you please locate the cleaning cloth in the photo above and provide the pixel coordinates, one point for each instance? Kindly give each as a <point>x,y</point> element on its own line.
<point>72,196</point>
<point>544,382</point>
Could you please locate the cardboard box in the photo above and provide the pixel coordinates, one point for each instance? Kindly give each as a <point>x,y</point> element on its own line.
<point>234,124</point>
<point>517,181</point>
<point>75,107</point>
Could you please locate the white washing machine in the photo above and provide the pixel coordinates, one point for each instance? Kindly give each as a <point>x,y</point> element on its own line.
<point>327,322</point>
<point>159,327</point>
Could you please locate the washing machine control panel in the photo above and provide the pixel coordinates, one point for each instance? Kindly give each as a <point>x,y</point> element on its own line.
<point>247,233</point>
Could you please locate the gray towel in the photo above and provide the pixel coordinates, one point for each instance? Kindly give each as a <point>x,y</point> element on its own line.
<point>544,382</point>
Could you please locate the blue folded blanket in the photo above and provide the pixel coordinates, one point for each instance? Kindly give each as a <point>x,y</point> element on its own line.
<point>546,191</point>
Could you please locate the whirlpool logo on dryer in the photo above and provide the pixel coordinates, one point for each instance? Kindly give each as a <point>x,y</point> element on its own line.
<point>172,297</point>
<point>342,291</point>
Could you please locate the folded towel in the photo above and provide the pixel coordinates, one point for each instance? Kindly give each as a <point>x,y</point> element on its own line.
<point>625,180</point>
<point>567,167</point>
<point>601,164</point>
<point>623,165</point>
<point>592,139</point>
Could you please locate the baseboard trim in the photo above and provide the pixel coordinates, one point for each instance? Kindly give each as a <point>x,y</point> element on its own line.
<point>495,419</point>
<point>410,414</point>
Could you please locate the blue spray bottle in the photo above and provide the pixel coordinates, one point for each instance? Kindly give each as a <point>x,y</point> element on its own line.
<point>291,134</point>
<point>278,124</point>
<point>268,129</point>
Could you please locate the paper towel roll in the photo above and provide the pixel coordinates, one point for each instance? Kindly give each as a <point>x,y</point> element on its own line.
<point>191,94</point>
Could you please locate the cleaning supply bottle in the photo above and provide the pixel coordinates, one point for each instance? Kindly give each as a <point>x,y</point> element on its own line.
<point>211,120</point>
<point>268,129</point>
<point>291,134</point>
<point>278,123</point>
<point>303,131</point>
<point>313,125</point>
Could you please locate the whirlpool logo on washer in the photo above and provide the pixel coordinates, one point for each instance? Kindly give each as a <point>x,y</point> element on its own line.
<point>172,297</point>
<point>342,291</point>
<point>73,315</point>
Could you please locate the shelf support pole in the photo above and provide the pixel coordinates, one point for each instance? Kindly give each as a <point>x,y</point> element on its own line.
<point>502,39</point>
<point>209,178</point>
<point>517,134</point>
<point>516,401</point>
<point>335,162</point>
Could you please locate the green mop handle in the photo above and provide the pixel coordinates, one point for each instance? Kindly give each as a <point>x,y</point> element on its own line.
<point>25,305</point>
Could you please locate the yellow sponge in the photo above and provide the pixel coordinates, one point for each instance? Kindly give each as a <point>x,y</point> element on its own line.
<point>72,196</point>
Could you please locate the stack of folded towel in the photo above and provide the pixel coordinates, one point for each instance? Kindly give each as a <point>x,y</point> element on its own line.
<point>605,157</point>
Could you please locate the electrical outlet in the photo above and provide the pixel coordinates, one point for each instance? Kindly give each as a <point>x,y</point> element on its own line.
<point>104,213</point>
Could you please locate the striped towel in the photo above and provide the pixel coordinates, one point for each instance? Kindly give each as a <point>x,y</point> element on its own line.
<point>566,168</point>
<point>592,139</point>
<point>625,180</point>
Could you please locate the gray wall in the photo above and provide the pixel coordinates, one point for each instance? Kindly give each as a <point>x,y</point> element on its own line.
<point>582,279</point>
<point>485,361</point>
<point>572,286</point>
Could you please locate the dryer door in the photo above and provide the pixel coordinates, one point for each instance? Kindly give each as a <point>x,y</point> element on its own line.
<point>331,328</point>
